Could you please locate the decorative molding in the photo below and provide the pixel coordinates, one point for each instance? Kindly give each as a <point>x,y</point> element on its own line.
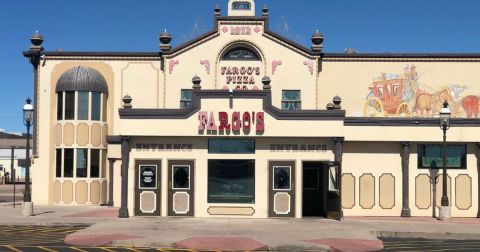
<point>457,191</point>
<point>206,64</point>
<point>354,190</point>
<point>429,191</point>
<point>275,64</point>
<point>225,29</point>
<point>288,199</point>
<point>380,191</point>
<point>309,64</point>
<point>174,200</point>
<point>114,139</point>
<point>154,201</point>
<point>360,190</point>
<point>171,65</point>
<point>257,29</point>
<point>249,211</point>
<point>408,122</point>
<point>265,95</point>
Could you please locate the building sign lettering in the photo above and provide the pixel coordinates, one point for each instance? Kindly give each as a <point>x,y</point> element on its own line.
<point>240,30</point>
<point>236,122</point>
<point>298,148</point>
<point>184,147</point>
<point>240,75</point>
<point>148,177</point>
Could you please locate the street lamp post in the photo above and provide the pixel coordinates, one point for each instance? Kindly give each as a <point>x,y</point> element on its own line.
<point>27,196</point>
<point>444,125</point>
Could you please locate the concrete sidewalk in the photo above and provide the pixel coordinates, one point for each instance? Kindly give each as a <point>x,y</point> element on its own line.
<point>314,234</point>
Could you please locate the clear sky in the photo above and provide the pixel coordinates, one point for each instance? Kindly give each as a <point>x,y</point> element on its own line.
<point>134,25</point>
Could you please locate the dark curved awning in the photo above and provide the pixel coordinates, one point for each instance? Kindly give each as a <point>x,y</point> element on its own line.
<point>82,79</point>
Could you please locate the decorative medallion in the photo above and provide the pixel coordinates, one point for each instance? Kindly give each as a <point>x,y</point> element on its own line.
<point>275,64</point>
<point>309,64</point>
<point>171,65</point>
<point>225,29</point>
<point>257,29</point>
<point>206,64</point>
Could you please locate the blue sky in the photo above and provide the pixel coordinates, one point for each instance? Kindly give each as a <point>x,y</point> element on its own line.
<point>134,25</point>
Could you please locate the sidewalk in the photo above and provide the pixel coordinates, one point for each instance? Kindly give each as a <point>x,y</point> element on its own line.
<point>352,234</point>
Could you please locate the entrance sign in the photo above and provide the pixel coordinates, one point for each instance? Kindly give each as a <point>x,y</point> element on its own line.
<point>236,122</point>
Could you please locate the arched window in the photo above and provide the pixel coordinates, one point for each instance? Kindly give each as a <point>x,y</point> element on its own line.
<point>241,5</point>
<point>241,53</point>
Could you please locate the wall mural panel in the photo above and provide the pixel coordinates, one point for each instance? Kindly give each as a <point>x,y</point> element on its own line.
<point>404,94</point>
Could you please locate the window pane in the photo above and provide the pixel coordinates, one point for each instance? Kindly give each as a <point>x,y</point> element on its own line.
<point>95,161</point>
<point>103,163</point>
<point>148,176</point>
<point>104,107</point>
<point>181,177</point>
<point>69,105</point>
<point>231,181</point>
<point>82,157</point>
<point>290,95</point>
<point>430,156</point>
<point>281,178</point>
<point>58,165</point>
<point>60,106</point>
<point>82,105</point>
<point>186,95</point>
<point>230,146</point>
<point>68,163</point>
<point>95,106</point>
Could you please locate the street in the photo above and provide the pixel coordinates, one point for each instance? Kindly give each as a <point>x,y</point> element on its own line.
<point>415,244</point>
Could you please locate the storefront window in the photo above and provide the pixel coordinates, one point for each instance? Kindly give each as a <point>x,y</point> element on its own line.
<point>430,156</point>
<point>231,146</point>
<point>185,98</point>
<point>82,105</point>
<point>82,157</point>
<point>95,163</point>
<point>291,100</point>
<point>96,106</point>
<point>68,163</point>
<point>231,181</point>
<point>69,105</point>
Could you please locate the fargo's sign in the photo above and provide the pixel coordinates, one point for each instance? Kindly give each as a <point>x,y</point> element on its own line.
<point>240,75</point>
<point>235,122</point>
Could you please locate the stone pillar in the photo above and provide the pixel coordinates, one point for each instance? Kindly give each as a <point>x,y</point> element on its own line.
<point>405,179</point>
<point>478,181</point>
<point>111,162</point>
<point>123,212</point>
<point>338,152</point>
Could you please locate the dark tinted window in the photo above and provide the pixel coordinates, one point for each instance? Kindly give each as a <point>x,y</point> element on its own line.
<point>231,181</point>
<point>181,177</point>
<point>231,146</point>
<point>431,156</point>
<point>69,105</point>
<point>58,165</point>
<point>82,157</point>
<point>96,106</point>
<point>95,163</point>
<point>82,113</point>
<point>68,163</point>
<point>60,106</point>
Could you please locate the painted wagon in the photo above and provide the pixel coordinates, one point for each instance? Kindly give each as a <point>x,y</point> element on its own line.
<point>386,98</point>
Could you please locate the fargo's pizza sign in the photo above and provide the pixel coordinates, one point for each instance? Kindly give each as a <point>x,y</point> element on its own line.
<point>240,75</point>
<point>234,122</point>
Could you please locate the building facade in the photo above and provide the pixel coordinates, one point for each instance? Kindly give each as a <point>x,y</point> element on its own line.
<point>242,122</point>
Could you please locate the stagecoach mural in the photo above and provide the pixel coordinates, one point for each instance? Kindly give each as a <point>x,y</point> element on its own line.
<point>405,95</point>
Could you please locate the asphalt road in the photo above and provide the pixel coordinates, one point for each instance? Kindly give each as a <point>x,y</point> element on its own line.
<point>50,238</point>
<point>410,244</point>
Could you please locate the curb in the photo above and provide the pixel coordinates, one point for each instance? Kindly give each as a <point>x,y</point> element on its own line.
<point>425,235</point>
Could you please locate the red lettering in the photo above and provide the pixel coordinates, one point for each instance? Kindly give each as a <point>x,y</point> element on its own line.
<point>223,118</point>
<point>246,121</point>
<point>243,71</point>
<point>229,79</point>
<point>251,80</point>
<point>235,70</point>
<point>250,70</point>
<point>211,122</point>
<point>260,121</point>
<point>236,121</point>
<point>202,118</point>
<point>257,70</point>
<point>224,69</point>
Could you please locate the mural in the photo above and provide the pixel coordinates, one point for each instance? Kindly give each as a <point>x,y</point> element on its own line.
<point>404,95</point>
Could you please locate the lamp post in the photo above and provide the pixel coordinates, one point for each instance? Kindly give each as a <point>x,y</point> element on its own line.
<point>444,125</point>
<point>27,196</point>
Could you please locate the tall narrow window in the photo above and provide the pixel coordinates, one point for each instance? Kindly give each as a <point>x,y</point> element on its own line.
<point>96,106</point>
<point>60,106</point>
<point>58,165</point>
<point>185,98</point>
<point>68,163</point>
<point>82,157</point>
<point>291,100</point>
<point>82,113</point>
<point>69,105</point>
<point>94,163</point>
<point>104,107</point>
<point>103,164</point>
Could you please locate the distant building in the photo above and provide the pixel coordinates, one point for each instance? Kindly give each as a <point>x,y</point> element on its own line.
<point>243,122</point>
<point>18,142</point>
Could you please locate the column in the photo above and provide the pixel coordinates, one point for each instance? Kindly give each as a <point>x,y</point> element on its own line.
<point>123,212</point>
<point>405,179</point>
<point>111,162</point>
<point>338,152</point>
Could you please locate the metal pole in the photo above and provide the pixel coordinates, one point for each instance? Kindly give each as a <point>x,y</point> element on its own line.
<point>444,201</point>
<point>12,169</point>
<point>27,197</point>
